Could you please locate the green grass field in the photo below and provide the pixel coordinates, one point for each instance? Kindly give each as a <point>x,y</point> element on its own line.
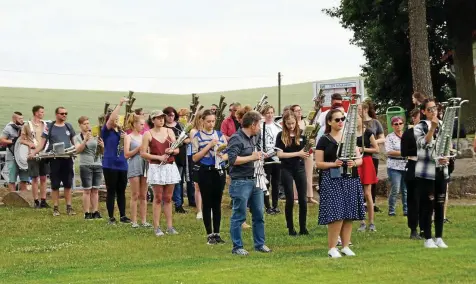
<point>37,248</point>
<point>91,103</point>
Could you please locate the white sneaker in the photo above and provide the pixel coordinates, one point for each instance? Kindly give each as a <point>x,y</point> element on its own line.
<point>199,215</point>
<point>347,251</point>
<point>135,225</point>
<point>430,244</point>
<point>334,253</point>
<point>439,242</point>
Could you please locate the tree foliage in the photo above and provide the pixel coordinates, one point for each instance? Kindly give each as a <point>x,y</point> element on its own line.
<point>381,29</point>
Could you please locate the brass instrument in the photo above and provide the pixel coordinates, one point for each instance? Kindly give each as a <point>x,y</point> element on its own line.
<point>346,150</point>
<point>261,103</point>
<point>195,103</point>
<point>310,132</point>
<point>96,131</point>
<point>219,113</point>
<point>444,141</point>
<point>123,125</point>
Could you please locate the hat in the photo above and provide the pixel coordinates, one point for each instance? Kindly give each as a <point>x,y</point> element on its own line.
<point>156,113</point>
<point>396,118</point>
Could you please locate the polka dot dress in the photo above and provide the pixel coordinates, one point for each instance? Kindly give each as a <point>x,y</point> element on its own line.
<point>340,199</point>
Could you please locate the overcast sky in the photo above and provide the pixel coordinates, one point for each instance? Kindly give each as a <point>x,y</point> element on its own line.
<point>171,46</point>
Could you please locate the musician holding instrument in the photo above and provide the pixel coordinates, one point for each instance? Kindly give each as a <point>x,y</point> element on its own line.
<point>61,168</point>
<point>341,197</point>
<point>205,148</point>
<point>291,142</point>
<point>269,131</point>
<point>163,174</point>
<point>432,176</point>
<point>194,188</point>
<point>38,170</point>
<point>114,165</point>
<point>9,137</point>
<point>243,188</point>
<point>90,168</point>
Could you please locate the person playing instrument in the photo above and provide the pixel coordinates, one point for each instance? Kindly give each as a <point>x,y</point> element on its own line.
<point>211,180</point>
<point>309,161</point>
<point>396,166</point>
<point>368,145</point>
<point>243,189</point>
<point>193,168</point>
<point>155,148</point>
<point>9,135</point>
<point>90,168</point>
<point>408,149</point>
<point>431,180</point>
<point>171,122</point>
<point>62,169</point>
<point>371,123</point>
<point>341,198</point>
<point>37,170</point>
<point>136,170</point>
<point>269,132</point>
<point>291,142</point>
<point>230,124</point>
<point>114,165</point>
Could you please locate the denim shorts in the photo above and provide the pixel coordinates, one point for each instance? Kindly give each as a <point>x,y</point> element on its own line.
<point>91,176</point>
<point>14,172</point>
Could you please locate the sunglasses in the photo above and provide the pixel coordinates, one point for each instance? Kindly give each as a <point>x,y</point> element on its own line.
<point>337,120</point>
<point>398,123</point>
<point>434,108</point>
<point>63,113</point>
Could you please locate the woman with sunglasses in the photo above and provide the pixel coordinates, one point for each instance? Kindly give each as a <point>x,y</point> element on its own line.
<point>155,148</point>
<point>341,198</point>
<point>396,166</point>
<point>368,176</point>
<point>292,156</point>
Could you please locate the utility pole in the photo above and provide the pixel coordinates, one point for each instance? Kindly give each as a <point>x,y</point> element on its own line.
<point>279,91</point>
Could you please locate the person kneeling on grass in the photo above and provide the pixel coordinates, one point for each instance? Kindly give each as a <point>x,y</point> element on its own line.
<point>90,168</point>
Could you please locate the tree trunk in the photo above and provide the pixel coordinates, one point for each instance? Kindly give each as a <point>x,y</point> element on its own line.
<point>420,57</point>
<point>461,22</point>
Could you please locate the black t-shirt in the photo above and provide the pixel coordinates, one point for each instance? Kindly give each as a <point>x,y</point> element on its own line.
<point>237,124</point>
<point>180,158</point>
<point>329,145</point>
<point>408,146</point>
<point>291,162</point>
<point>367,135</point>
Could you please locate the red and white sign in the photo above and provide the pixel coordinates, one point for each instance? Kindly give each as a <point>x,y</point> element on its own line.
<point>351,85</point>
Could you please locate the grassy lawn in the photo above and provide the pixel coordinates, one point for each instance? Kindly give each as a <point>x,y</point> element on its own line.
<point>35,247</point>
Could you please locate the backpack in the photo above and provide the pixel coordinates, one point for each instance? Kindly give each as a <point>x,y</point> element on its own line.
<point>15,140</point>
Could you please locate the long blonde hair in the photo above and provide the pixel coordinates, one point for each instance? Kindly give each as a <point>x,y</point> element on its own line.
<point>286,134</point>
<point>197,121</point>
<point>133,119</point>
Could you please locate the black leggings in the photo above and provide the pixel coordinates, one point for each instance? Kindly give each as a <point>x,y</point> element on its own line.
<point>415,216</point>
<point>374,186</point>
<point>298,175</point>
<point>432,198</point>
<point>212,184</point>
<point>116,182</point>
<point>273,174</point>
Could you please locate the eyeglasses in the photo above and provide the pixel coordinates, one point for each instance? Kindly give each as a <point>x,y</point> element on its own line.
<point>337,120</point>
<point>398,123</point>
<point>432,109</point>
<point>63,113</point>
<point>171,114</point>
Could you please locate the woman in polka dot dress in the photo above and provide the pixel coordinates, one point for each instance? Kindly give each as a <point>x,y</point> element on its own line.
<point>341,198</point>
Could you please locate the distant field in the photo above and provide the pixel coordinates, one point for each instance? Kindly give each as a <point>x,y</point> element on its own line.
<point>91,103</point>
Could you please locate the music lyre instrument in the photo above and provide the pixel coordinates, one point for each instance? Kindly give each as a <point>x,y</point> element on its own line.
<point>260,174</point>
<point>346,150</point>
<point>218,149</point>
<point>220,116</point>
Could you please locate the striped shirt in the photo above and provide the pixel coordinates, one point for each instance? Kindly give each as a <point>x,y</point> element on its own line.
<point>201,140</point>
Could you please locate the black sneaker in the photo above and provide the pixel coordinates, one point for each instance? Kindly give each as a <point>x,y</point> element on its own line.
<point>211,240</point>
<point>97,215</point>
<point>88,216</point>
<point>70,210</point>
<point>276,210</point>
<point>446,220</point>
<point>303,232</point>
<point>125,220</point>
<point>112,221</point>
<point>414,236</point>
<point>377,209</point>
<point>270,211</point>
<point>56,211</point>
<point>218,239</point>
<point>43,204</point>
<point>179,209</point>
<point>292,232</point>
<point>37,204</point>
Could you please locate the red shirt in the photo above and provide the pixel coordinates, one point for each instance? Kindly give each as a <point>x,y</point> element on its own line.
<point>228,127</point>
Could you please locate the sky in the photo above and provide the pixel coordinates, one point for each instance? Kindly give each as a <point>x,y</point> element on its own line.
<point>171,46</point>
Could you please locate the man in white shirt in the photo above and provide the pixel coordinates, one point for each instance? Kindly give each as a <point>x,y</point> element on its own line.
<point>335,99</point>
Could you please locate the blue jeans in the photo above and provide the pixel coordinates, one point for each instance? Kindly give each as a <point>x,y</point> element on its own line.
<point>177,196</point>
<point>243,192</point>
<point>397,183</point>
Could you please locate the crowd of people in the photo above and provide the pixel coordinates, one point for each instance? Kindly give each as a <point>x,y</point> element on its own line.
<point>209,159</point>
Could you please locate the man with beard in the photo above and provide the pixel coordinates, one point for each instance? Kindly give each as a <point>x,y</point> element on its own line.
<point>59,131</point>
<point>31,136</point>
<point>9,136</point>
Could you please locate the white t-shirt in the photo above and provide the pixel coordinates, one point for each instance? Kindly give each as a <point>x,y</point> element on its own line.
<point>271,130</point>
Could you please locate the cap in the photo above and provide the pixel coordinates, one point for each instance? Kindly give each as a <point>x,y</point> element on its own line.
<point>156,113</point>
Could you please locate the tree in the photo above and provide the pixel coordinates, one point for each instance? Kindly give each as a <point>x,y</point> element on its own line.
<point>381,29</point>
<point>420,62</point>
